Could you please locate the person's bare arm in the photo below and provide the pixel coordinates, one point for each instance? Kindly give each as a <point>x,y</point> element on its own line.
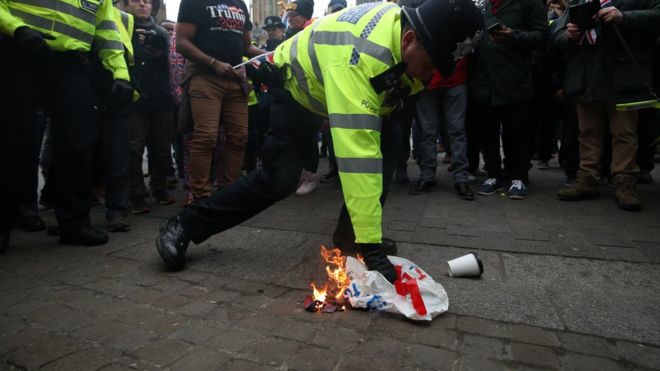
<point>250,50</point>
<point>185,34</point>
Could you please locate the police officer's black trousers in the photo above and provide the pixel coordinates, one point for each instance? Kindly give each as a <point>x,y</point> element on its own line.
<point>283,159</point>
<point>59,83</point>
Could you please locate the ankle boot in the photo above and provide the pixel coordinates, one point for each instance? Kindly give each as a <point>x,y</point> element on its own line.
<point>585,188</point>
<point>626,196</point>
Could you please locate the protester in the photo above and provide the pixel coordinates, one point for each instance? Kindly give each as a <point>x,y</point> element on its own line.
<point>601,73</point>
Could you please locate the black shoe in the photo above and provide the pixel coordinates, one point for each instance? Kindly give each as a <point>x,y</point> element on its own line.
<point>401,178</point>
<point>376,260</point>
<point>172,244</point>
<point>139,206</point>
<point>31,223</point>
<point>330,176</point>
<point>164,198</point>
<point>422,186</point>
<point>86,236</point>
<point>119,224</point>
<point>388,246</point>
<point>464,191</point>
<point>4,241</point>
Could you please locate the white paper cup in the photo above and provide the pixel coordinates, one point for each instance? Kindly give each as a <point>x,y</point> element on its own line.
<point>469,265</point>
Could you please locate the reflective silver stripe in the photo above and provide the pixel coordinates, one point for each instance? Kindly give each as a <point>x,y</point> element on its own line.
<point>355,121</point>
<point>299,73</point>
<point>110,44</point>
<point>124,20</point>
<point>360,165</point>
<point>49,24</point>
<point>312,54</point>
<point>364,46</point>
<point>107,25</point>
<point>62,8</point>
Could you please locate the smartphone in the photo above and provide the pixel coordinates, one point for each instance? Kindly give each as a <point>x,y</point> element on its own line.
<point>495,27</point>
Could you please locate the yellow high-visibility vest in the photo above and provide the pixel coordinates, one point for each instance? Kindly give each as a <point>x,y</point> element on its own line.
<point>75,24</point>
<point>328,66</point>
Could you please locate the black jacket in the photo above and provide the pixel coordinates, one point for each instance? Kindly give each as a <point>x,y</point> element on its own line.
<point>150,72</point>
<point>501,72</point>
<point>605,72</point>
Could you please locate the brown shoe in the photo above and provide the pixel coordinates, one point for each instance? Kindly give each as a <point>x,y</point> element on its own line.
<point>585,188</point>
<point>626,196</point>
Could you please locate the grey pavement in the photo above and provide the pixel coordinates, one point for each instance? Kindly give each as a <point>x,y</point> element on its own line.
<point>566,286</point>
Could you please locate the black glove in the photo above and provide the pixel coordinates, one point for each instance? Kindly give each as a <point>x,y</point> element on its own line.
<point>376,260</point>
<point>268,74</point>
<point>32,41</point>
<point>122,92</point>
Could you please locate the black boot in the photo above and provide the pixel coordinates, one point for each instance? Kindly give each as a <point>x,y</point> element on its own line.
<point>388,245</point>
<point>376,260</point>
<point>31,223</point>
<point>172,244</point>
<point>86,236</point>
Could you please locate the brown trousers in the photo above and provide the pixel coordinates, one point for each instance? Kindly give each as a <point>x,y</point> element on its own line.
<point>623,129</point>
<point>216,102</point>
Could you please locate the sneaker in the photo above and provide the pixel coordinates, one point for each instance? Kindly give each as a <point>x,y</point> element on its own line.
<point>542,165</point>
<point>119,224</point>
<point>517,191</point>
<point>310,181</point>
<point>422,186</point>
<point>139,206</point>
<point>331,176</point>
<point>464,192</point>
<point>626,196</point>
<point>490,186</point>
<point>164,198</point>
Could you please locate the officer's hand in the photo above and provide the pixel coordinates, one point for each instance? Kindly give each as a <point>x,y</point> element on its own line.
<point>267,72</point>
<point>224,69</point>
<point>610,15</point>
<point>122,92</point>
<point>32,41</point>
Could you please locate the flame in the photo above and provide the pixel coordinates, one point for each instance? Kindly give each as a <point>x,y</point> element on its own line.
<point>337,276</point>
<point>360,258</point>
<point>319,294</point>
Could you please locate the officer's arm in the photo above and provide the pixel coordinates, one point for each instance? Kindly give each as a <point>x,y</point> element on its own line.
<point>537,29</point>
<point>111,48</point>
<point>355,124</point>
<point>8,23</point>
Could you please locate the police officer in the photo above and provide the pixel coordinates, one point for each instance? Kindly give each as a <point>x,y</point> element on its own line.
<point>349,67</point>
<point>44,64</point>
<point>275,28</point>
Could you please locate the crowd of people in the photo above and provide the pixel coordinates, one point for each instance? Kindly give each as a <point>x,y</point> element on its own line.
<point>86,91</point>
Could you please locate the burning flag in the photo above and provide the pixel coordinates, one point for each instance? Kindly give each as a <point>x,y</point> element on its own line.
<point>330,298</point>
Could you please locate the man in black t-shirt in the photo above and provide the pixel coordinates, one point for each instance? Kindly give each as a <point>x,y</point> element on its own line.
<point>214,35</point>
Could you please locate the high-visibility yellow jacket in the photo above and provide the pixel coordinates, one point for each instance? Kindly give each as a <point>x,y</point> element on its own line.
<point>75,24</point>
<point>328,66</point>
<point>124,22</point>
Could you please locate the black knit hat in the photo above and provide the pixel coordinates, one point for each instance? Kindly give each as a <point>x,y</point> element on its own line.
<point>303,7</point>
<point>273,21</point>
<point>448,29</point>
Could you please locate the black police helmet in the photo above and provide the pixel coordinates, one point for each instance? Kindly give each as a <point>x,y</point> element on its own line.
<point>273,21</point>
<point>448,29</point>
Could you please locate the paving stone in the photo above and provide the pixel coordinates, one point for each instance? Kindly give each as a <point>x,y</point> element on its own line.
<point>10,325</point>
<point>270,351</point>
<point>574,361</point>
<point>24,338</point>
<point>40,353</point>
<point>431,358</point>
<point>162,352</point>
<point>200,358</point>
<point>437,337</point>
<point>310,357</point>
<point>486,347</point>
<point>252,302</point>
<point>586,344</point>
<point>144,295</point>
<point>336,338</point>
<point>382,347</point>
<point>393,326</point>
<point>639,354</point>
<point>60,318</point>
<point>196,331</point>
<point>533,335</point>
<point>295,330</point>
<point>534,355</point>
<point>233,340</point>
<point>226,314</point>
<point>84,360</point>
<point>197,308</point>
<point>475,363</point>
<point>481,326</point>
<point>223,296</point>
<point>130,340</point>
<point>170,301</point>
<point>244,365</point>
<point>354,361</point>
<point>261,322</point>
<point>102,330</point>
